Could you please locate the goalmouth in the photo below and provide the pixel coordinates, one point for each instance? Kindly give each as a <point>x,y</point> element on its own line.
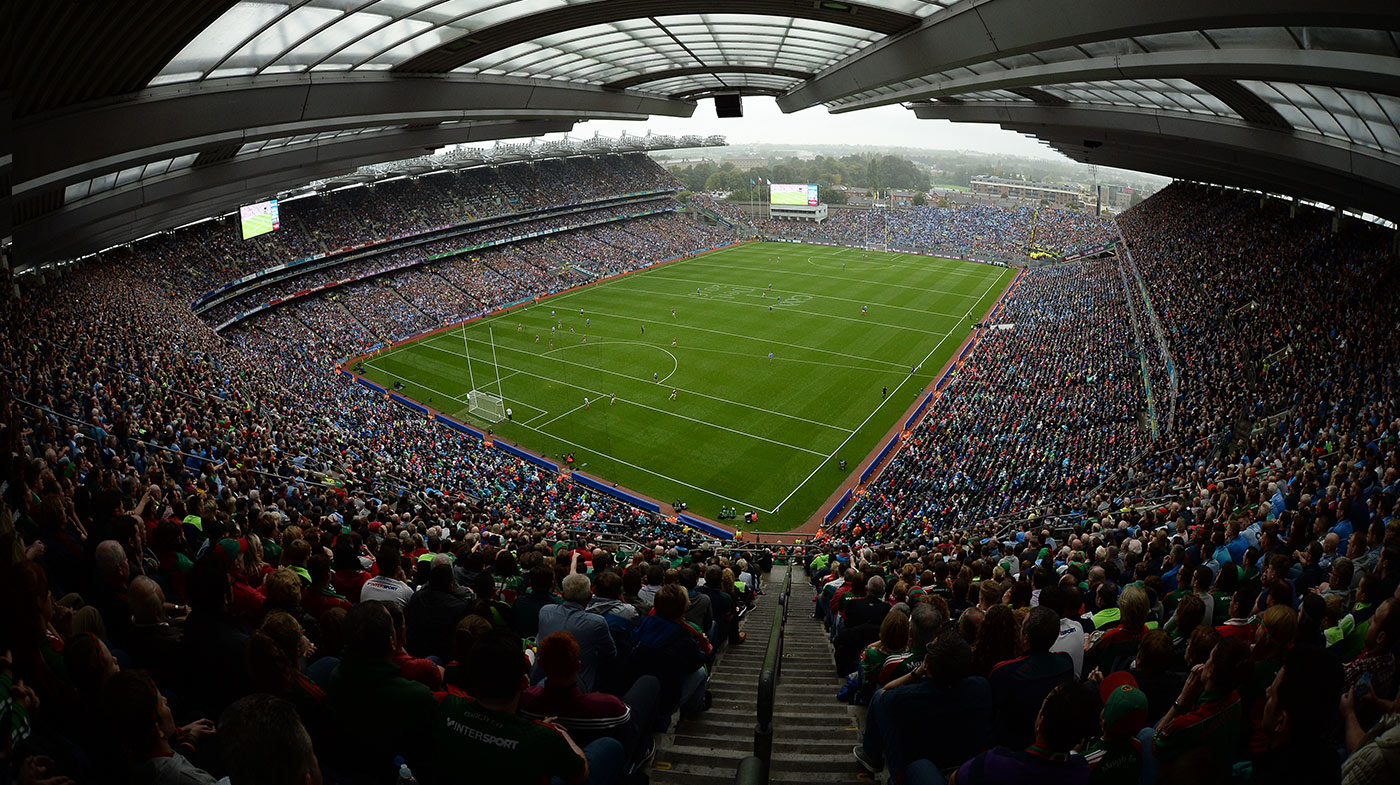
<point>482,404</point>
<point>486,406</point>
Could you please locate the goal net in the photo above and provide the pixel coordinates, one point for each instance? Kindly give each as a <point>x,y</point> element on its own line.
<point>486,406</point>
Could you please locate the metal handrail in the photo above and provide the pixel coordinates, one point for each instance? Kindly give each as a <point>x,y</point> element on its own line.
<point>754,769</point>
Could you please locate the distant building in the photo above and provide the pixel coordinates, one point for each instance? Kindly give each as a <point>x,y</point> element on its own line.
<point>1119,197</point>
<point>986,185</point>
<point>681,163</point>
<point>745,162</point>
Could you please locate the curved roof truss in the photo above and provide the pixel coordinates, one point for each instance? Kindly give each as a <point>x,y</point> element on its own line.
<point>1269,89</point>
<point>153,96</point>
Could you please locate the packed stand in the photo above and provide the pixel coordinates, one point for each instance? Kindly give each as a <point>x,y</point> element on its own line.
<point>1240,627</point>
<point>977,231</point>
<point>1067,232</point>
<point>220,559</point>
<point>187,263</point>
<point>178,623</point>
<point>357,317</point>
<point>1045,407</point>
<point>376,263</point>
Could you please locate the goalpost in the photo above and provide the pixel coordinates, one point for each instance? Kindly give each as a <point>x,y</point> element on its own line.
<point>481,403</point>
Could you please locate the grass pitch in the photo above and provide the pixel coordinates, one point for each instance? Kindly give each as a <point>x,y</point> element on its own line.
<point>744,429</point>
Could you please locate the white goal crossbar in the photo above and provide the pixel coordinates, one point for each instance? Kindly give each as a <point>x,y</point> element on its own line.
<point>482,404</point>
<point>486,406</point>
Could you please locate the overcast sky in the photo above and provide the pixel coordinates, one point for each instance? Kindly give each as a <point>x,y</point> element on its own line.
<point>886,126</point>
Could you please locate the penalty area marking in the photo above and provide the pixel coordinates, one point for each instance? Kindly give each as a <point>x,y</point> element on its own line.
<point>416,383</point>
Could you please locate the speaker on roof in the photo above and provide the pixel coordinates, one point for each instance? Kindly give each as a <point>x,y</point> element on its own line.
<point>728,105</point>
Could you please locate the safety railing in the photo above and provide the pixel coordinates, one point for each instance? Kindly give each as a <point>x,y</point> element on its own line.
<point>753,770</point>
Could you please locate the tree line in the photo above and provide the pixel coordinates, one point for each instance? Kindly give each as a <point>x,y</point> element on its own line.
<point>882,172</point>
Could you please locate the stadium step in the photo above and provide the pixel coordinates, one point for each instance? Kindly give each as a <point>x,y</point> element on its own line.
<point>812,732</point>
<point>706,749</point>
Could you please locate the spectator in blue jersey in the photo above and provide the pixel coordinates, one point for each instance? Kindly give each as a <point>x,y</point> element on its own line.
<point>927,722</point>
<point>1066,718</point>
<point>589,629</point>
<point>1019,686</point>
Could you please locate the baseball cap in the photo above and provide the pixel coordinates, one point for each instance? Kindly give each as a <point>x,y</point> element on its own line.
<point>1124,705</point>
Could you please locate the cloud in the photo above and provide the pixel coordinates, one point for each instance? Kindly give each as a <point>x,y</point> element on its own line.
<point>886,126</point>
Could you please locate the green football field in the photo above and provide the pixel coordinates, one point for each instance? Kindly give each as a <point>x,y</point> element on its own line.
<point>775,370</point>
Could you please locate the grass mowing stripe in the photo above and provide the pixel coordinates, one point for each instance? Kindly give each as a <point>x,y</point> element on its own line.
<point>827,296</point>
<point>775,304</point>
<point>844,278</point>
<point>746,337</point>
<point>820,404</point>
<point>653,408</point>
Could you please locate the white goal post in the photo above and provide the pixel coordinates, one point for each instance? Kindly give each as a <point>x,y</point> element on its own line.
<point>486,406</point>
<point>491,408</point>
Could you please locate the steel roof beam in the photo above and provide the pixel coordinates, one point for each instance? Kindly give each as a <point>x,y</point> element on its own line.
<point>107,136</point>
<point>656,76</point>
<point>174,199</point>
<point>975,32</point>
<point>1305,165</point>
<point>1372,73</point>
<point>561,18</point>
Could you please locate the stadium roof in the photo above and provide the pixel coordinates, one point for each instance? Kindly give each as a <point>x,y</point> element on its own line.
<point>133,116</point>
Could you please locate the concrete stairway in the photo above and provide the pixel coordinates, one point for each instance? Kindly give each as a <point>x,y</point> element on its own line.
<point>812,732</point>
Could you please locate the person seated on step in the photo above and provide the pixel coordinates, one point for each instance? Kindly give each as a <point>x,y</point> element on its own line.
<point>482,737</point>
<point>674,651</point>
<point>589,716</point>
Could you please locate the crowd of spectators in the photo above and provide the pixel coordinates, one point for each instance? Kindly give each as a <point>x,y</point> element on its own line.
<point>1044,408</point>
<point>356,317</point>
<point>1067,232</point>
<point>175,621</point>
<point>211,550</point>
<point>187,263</point>
<point>371,263</point>
<point>1223,610</point>
<point>220,559</point>
<point>978,231</point>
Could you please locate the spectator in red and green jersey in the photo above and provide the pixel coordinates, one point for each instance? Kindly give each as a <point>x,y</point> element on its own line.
<point>1204,725</point>
<point>483,738</point>
<point>320,596</point>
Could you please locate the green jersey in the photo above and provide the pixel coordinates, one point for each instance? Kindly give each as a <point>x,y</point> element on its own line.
<point>476,744</point>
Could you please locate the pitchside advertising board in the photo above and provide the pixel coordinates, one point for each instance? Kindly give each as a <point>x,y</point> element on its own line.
<point>260,218</point>
<point>804,195</point>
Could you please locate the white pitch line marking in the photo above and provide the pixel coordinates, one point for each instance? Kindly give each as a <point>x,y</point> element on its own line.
<point>638,403</point>
<point>634,378</point>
